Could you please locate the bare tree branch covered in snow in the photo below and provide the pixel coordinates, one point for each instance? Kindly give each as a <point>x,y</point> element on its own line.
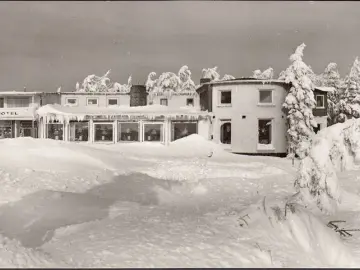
<point>93,83</point>
<point>299,104</point>
<point>332,149</point>
<point>267,74</point>
<point>213,75</point>
<point>169,83</point>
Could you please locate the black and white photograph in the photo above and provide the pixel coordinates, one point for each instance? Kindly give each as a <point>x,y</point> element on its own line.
<point>179,134</point>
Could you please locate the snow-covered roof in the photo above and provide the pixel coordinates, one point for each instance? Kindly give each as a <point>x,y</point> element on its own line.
<point>18,93</point>
<point>325,88</point>
<point>79,113</point>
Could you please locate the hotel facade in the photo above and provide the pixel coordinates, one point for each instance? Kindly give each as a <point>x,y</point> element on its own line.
<point>244,116</point>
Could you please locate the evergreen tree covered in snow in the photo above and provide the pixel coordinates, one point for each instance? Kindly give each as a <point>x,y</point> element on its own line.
<point>93,83</point>
<point>299,104</point>
<point>265,75</point>
<point>169,83</point>
<point>349,105</point>
<point>331,78</point>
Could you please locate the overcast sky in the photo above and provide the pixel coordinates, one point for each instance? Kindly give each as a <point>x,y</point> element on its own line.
<point>44,45</point>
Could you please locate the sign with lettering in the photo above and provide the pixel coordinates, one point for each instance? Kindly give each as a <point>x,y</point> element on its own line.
<point>122,117</point>
<point>16,114</point>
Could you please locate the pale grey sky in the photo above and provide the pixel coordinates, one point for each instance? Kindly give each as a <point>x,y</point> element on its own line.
<point>44,45</point>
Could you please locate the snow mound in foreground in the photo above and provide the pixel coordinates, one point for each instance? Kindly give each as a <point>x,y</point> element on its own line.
<point>46,153</point>
<point>296,232</point>
<point>14,255</point>
<point>196,145</point>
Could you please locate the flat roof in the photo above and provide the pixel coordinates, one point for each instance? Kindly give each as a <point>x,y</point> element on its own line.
<point>78,113</point>
<point>18,93</point>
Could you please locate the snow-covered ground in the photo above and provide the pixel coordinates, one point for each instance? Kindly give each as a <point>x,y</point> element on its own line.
<point>146,205</point>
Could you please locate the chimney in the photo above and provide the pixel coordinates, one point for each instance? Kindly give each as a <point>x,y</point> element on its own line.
<point>204,80</point>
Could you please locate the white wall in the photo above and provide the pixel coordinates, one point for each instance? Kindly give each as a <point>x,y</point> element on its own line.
<point>245,99</point>
<point>204,128</point>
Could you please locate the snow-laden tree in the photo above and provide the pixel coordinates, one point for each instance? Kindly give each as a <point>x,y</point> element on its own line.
<point>299,104</point>
<point>335,148</point>
<point>213,75</point>
<point>349,105</point>
<point>93,83</point>
<point>227,77</point>
<point>331,78</point>
<point>169,83</point>
<point>265,75</point>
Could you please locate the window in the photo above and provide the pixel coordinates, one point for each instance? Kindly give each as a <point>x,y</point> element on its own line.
<point>225,97</point>
<point>27,130</point>
<point>320,101</point>
<point>55,131</point>
<point>18,102</point>
<point>128,132</point>
<point>1,102</point>
<point>182,129</point>
<point>79,131</point>
<point>153,132</point>
<point>103,132</point>
<point>317,129</point>
<point>265,97</point>
<point>190,102</point>
<point>225,133</point>
<point>112,101</point>
<point>265,136</point>
<point>164,101</point>
<point>6,130</point>
<point>71,101</point>
<point>92,101</point>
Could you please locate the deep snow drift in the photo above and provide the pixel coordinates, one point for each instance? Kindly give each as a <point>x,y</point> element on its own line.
<point>189,204</point>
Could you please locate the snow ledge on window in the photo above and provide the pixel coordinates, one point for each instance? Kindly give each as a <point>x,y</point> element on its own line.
<point>266,104</point>
<point>265,147</point>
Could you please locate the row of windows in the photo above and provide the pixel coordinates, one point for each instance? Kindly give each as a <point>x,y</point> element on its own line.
<point>114,101</point>
<point>264,128</point>
<point>91,101</point>
<point>189,101</point>
<point>265,97</point>
<point>127,131</point>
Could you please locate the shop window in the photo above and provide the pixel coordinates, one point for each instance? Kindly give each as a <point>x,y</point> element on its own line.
<point>225,133</point>
<point>18,102</point>
<point>182,129</point>
<point>55,131</point>
<point>112,101</point>
<point>265,136</point>
<point>189,102</point>
<point>6,130</point>
<point>1,102</point>
<point>153,132</point>
<point>28,129</point>
<point>79,131</point>
<point>92,101</point>
<point>103,132</point>
<point>128,132</point>
<point>164,101</point>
